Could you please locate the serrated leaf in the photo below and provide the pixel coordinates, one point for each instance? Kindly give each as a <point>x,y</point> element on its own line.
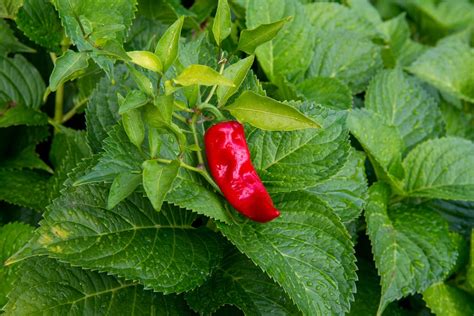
<point>268,114</point>
<point>250,39</point>
<point>168,45</point>
<point>236,72</point>
<point>346,191</point>
<point>9,8</point>
<point>147,60</point>
<point>12,237</point>
<point>459,214</point>
<point>22,115</point>
<point>158,180</point>
<point>47,286</point>
<point>24,85</point>
<point>459,123</point>
<point>455,77</point>
<point>133,100</point>
<point>382,143</point>
<point>441,168</point>
<point>102,109</point>
<point>470,268</point>
<point>306,250</point>
<point>154,246</point>
<point>446,300</point>
<point>241,283</point>
<point>318,153</point>
<point>9,43</point>
<point>201,75</point>
<point>412,245</point>
<point>402,102</point>
<point>329,92</point>
<point>26,188</point>
<point>68,67</point>
<point>289,53</point>
<point>222,22</point>
<point>345,56</point>
<point>134,126</point>
<point>39,21</point>
<point>123,185</point>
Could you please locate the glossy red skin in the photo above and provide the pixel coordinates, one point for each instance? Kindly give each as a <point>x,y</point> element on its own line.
<point>229,161</point>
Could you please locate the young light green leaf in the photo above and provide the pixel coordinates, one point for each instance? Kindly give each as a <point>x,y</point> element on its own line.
<point>147,60</point>
<point>306,250</point>
<point>222,22</point>
<point>158,179</point>
<point>201,75</point>
<point>441,168</point>
<point>237,73</point>
<point>235,283</point>
<point>49,287</point>
<point>167,47</point>
<point>250,39</point>
<point>123,185</point>
<point>268,114</point>
<point>134,127</point>
<point>142,81</point>
<point>447,300</point>
<point>12,237</point>
<point>133,100</point>
<point>154,141</point>
<point>160,113</point>
<point>329,92</point>
<point>68,67</point>
<point>412,245</point>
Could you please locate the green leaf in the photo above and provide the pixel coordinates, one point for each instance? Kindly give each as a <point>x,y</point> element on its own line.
<point>459,214</point>
<point>24,85</point>
<point>12,237</point>
<point>201,75</point>
<point>236,72</point>
<point>9,8</point>
<point>412,245</point>
<point>158,179</point>
<point>346,191</point>
<point>441,168</point>
<point>382,143</point>
<point>40,22</point>
<point>457,122</point>
<point>132,240</point>
<point>134,127</point>
<point>123,185</point>
<point>402,102</point>
<point>289,53</point>
<point>26,188</point>
<point>10,43</point>
<point>249,40</point>
<point>133,100</point>
<point>346,56</point>
<point>269,114</point>
<point>142,81</point>
<point>239,282</point>
<point>318,153</point>
<point>47,286</point>
<point>167,47</point>
<point>147,60</point>
<point>446,300</point>
<point>306,250</point>
<point>102,109</point>
<point>329,92</point>
<point>160,113</point>
<point>222,22</point>
<point>22,115</point>
<point>455,77</point>
<point>470,268</point>
<point>69,66</point>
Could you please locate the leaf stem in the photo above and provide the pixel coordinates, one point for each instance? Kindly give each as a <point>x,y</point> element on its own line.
<point>222,62</point>
<point>59,96</point>
<point>73,111</point>
<point>196,138</point>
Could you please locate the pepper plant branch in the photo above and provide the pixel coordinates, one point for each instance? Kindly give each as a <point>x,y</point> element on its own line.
<point>222,62</point>
<point>73,111</point>
<point>196,137</point>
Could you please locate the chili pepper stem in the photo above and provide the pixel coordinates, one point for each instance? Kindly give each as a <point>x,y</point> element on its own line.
<point>196,138</point>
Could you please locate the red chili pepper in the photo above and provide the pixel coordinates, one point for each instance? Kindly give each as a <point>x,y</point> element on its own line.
<point>229,161</point>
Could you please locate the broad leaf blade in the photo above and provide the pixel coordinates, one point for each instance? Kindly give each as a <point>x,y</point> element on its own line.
<point>201,75</point>
<point>222,22</point>
<point>441,168</point>
<point>123,185</point>
<point>269,114</point>
<point>412,245</point>
<point>237,73</point>
<point>167,47</point>
<point>329,92</point>
<point>68,67</point>
<point>48,286</point>
<point>158,180</point>
<point>10,44</point>
<point>306,250</point>
<point>250,39</point>
<point>446,300</point>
